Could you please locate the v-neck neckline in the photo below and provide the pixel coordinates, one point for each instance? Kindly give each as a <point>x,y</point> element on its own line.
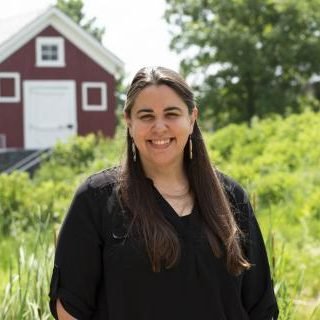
<point>188,226</point>
<point>170,208</point>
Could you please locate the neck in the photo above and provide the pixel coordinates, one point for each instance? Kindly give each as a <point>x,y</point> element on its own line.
<point>176,194</point>
<point>173,178</point>
<point>174,186</point>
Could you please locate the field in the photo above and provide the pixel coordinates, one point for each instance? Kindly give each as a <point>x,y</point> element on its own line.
<point>277,160</point>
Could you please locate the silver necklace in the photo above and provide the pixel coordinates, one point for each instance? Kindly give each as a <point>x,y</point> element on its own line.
<point>176,196</point>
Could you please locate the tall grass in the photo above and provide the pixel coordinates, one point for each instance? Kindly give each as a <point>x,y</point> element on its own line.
<point>25,294</point>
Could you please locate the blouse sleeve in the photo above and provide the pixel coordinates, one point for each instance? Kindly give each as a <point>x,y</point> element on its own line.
<point>257,287</point>
<point>77,266</point>
<point>257,292</point>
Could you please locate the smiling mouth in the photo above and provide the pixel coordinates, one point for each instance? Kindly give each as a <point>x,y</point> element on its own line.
<point>160,143</point>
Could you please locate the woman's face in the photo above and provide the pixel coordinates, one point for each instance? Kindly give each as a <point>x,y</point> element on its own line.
<point>160,125</point>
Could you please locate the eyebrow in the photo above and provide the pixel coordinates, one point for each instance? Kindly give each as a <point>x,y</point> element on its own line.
<point>170,108</point>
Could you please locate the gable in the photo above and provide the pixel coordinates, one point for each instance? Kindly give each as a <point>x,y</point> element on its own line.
<point>71,31</point>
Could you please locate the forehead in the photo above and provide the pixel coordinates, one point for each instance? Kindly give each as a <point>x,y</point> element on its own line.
<point>155,96</point>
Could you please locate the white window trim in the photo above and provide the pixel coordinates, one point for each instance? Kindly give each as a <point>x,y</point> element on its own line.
<point>59,41</point>
<point>16,77</point>
<point>94,85</point>
<point>3,141</point>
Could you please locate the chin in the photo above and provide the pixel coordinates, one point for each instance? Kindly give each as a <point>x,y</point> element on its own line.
<point>163,162</point>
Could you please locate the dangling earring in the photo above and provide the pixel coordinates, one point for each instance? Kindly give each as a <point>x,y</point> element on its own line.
<point>133,146</point>
<point>190,148</point>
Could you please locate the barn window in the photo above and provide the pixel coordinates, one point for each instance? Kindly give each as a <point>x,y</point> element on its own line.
<point>50,52</point>
<point>94,96</point>
<point>3,143</point>
<point>9,87</point>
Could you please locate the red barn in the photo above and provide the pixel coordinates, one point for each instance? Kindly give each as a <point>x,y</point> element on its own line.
<point>56,80</point>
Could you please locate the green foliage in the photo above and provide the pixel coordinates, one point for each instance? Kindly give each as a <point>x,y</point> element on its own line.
<point>121,89</point>
<point>24,295</point>
<point>23,204</point>
<point>80,155</point>
<point>13,193</point>
<point>251,58</point>
<point>73,8</point>
<point>284,292</point>
<point>76,154</point>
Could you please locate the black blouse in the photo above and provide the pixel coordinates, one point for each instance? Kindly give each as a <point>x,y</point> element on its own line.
<point>101,273</point>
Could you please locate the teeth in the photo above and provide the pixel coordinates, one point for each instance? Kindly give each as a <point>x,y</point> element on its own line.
<point>161,141</point>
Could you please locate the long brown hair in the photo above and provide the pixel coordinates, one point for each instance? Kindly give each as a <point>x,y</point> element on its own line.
<point>159,236</point>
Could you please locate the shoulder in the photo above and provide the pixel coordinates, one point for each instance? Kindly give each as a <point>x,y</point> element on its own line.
<point>238,200</point>
<point>100,183</point>
<point>241,207</point>
<point>103,178</point>
<point>90,204</point>
<point>233,189</point>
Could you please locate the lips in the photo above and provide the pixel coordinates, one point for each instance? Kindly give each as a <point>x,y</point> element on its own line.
<point>160,143</point>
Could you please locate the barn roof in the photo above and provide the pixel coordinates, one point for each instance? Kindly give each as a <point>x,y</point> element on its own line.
<point>18,36</point>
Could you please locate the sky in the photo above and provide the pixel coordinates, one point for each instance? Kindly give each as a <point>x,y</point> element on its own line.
<point>135,29</point>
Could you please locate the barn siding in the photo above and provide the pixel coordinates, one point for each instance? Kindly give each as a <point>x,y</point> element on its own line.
<point>79,67</point>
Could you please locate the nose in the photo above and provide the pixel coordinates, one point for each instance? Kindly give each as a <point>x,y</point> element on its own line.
<point>159,125</point>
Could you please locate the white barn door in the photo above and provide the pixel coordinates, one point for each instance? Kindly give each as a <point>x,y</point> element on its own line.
<point>49,112</point>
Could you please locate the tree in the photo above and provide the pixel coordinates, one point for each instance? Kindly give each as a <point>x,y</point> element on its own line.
<point>73,8</point>
<point>253,57</point>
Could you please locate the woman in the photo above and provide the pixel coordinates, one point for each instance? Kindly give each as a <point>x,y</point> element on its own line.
<point>165,235</point>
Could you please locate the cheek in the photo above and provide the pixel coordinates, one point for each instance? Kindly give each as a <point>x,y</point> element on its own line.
<point>185,128</point>
<point>138,133</point>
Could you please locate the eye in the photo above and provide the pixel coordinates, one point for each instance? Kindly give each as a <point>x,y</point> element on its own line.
<point>171,115</point>
<point>146,117</point>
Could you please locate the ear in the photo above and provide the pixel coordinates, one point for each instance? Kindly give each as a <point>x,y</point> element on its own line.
<point>127,120</point>
<point>193,117</point>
